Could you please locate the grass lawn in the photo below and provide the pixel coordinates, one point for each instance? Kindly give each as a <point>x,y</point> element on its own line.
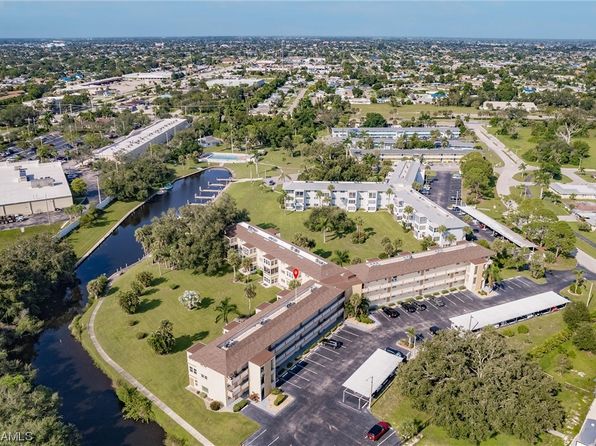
<point>265,211</point>
<point>529,177</point>
<point>166,376</point>
<point>83,239</point>
<point>271,164</point>
<point>582,244</point>
<point>410,111</point>
<point>9,236</point>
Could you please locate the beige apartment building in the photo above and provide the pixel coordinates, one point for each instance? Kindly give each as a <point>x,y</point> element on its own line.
<point>246,359</point>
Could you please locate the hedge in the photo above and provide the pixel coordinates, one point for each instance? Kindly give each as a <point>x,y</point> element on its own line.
<point>280,399</point>
<point>551,343</point>
<point>240,405</point>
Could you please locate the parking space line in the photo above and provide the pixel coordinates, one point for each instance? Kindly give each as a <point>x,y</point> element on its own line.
<point>341,337</point>
<point>308,370</point>
<point>329,350</point>
<point>292,384</point>
<point>345,330</point>
<point>432,305</point>
<point>297,376</point>
<point>317,353</point>
<point>461,300</point>
<point>276,438</point>
<point>388,437</point>
<point>253,440</point>
<point>317,363</point>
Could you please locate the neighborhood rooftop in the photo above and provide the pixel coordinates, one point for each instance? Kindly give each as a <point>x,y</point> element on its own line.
<point>25,181</point>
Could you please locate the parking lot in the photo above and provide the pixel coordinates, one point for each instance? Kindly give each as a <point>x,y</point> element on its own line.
<point>445,189</point>
<point>318,416</point>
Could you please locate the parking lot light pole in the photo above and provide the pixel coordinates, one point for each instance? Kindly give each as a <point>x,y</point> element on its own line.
<point>371,391</point>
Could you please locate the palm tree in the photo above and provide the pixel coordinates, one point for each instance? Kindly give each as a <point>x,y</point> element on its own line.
<point>389,192</point>
<point>450,238</point>
<point>579,281</point>
<point>523,168</point>
<point>319,195</point>
<point>234,260</point>
<point>342,257</point>
<point>246,264</point>
<point>250,292</point>
<point>224,309</point>
<point>411,333</point>
<point>492,275</point>
<point>359,223</point>
<point>442,230</point>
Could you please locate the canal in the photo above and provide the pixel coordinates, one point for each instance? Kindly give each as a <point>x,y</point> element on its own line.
<point>62,364</point>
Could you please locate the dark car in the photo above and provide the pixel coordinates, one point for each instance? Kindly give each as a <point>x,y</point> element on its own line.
<point>391,312</point>
<point>419,337</point>
<point>434,330</point>
<point>378,430</point>
<point>332,343</point>
<point>420,306</point>
<point>439,302</point>
<point>408,307</point>
<point>395,352</point>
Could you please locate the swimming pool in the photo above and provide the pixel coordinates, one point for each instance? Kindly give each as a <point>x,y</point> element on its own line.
<point>219,157</point>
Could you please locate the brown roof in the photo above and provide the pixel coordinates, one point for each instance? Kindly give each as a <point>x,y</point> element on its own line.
<point>262,358</point>
<point>402,265</point>
<point>231,359</point>
<point>231,325</point>
<point>312,269</point>
<point>195,348</point>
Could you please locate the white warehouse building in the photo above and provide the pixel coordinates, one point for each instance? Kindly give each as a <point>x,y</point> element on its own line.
<point>138,142</point>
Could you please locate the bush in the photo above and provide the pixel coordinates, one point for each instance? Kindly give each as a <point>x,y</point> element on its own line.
<point>128,301</point>
<point>585,337</point>
<point>203,395</point>
<point>137,288</point>
<point>365,319</point>
<point>215,405</point>
<point>279,399</point>
<point>508,332</point>
<point>276,391</point>
<point>174,286</point>
<point>132,322</point>
<point>551,343</point>
<point>240,405</point>
<point>575,313</point>
<point>144,278</point>
<point>141,335</point>
<point>409,429</point>
<point>523,329</point>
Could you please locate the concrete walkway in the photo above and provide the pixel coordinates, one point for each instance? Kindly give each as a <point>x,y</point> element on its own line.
<point>586,260</point>
<point>131,379</point>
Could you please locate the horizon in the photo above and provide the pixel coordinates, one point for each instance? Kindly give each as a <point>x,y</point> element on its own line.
<point>513,20</point>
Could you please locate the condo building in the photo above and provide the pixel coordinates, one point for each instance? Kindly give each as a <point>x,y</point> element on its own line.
<point>246,360</point>
<point>395,132</point>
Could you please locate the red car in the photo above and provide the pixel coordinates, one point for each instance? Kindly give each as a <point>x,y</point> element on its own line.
<point>378,430</point>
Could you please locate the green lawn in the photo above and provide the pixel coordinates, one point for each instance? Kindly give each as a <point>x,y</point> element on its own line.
<point>83,239</point>
<point>265,211</point>
<point>410,111</point>
<point>272,164</point>
<point>9,236</point>
<point>166,376</point>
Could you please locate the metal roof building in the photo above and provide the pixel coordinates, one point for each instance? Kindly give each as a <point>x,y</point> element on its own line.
<point>371,376</point>
<point>497,227</point>
<point>510,312</point>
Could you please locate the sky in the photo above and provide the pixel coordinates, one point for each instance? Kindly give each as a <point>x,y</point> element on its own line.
<point>364,18</point>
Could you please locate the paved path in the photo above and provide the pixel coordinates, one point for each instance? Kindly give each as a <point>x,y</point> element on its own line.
<point>296,101</point>
<point>131,379</point>
<point>586,260</point>
<point>571,172</point>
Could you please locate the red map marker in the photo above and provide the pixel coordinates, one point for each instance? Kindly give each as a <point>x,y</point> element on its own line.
<point>296,272</point>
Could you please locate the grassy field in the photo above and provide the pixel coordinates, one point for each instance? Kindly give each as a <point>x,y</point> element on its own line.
<point>410,111</point>
<point>83,239</point>
<point>265,211</point>
<point>166,376</point>
<point>9,236</point>
<point>577,385</point>
<point>526,141</point>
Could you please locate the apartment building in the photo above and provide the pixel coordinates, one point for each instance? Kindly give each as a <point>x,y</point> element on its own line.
<point>395,194</point>
<point>413,275</point>
<point>246,360</point>
<point>395,132</point>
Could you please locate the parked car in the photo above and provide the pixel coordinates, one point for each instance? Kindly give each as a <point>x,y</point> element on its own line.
<point>391,312</point>
<point>439,302</point>
<point>408,307</point>
<point>332,343</point>
<point>434,330</point>
<point>420,306</point>
<point>419,337</point>
<point>378,430</point>
<point>395,352</point>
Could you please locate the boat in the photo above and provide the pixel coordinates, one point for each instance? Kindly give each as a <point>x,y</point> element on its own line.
<point>164,189</point>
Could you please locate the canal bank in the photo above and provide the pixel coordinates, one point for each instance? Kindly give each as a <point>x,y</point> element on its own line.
<point>89,401</point>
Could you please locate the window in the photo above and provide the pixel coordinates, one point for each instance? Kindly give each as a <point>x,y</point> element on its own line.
<point>204,389</point>
<point>203,376</point>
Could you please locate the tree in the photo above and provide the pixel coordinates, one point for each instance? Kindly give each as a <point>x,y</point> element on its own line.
<point>234,260</point>
<point>392,248</point>
<point>250,292</point>
<point>98,286</point>
<point>341,257</point>
<point>224,309</point>
<point>162,340</point>
<point>137,287</point>
<point>190,299</point>
<point>145,278</point>
<point>356,306</point>
<point>584,337</point>
<point>78,187</point>
<point>74,211</point>
<point>411,334</point>
<point>374,120</point>
<point>303,241</point>
<point>559,238</point>
<point>576,313</point>
<point>579,281</point>
<point>129,301</point>
<point>89,217</point>
<point>456,376</point>
<point>137,406</point>
<point>427,243</point>
<point>492,275</point>
<point>247,265</point>
<point>537,269</point>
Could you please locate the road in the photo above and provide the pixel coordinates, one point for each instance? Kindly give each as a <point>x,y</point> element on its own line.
<point>297,99</point>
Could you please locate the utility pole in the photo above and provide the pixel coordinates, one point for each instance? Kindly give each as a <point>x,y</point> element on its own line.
<point>371,392</point>
<point>98,189</point>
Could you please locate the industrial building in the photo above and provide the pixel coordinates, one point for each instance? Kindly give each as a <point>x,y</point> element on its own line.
<point>31,187</point>
<point>139,141</point>
<point>149,76</point>
<point>247,359</point>
<point>236,82</point>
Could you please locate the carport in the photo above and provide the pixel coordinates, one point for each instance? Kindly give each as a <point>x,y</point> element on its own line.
<point>497,227</point>
<point>370,377</point>
<point>510,312</point>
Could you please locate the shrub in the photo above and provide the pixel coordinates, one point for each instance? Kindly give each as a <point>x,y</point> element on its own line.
<point>128,301</point>
<point>240,405</point>
<point>508,332</point>
<point>523,329</point>
<point>202,394</point>
<point>365,319</point>
<point>137,288</point>
<point>279,399</point>
<point>141,335</point>
<point>551,343</point>
<point>132,322</point>
<point>445,291</point>
<point>144,278</point>
<point>215,405</point>
<point>174,286</point>
<point>409,429</point>
<point>136,405</point>
<point>276,391</point>
<point>585,337</point>
<point>452,290</point>
<point>575,313</point>
<point>436,293</point>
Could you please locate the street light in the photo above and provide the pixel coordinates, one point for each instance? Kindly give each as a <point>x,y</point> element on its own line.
<point>371,391</point>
